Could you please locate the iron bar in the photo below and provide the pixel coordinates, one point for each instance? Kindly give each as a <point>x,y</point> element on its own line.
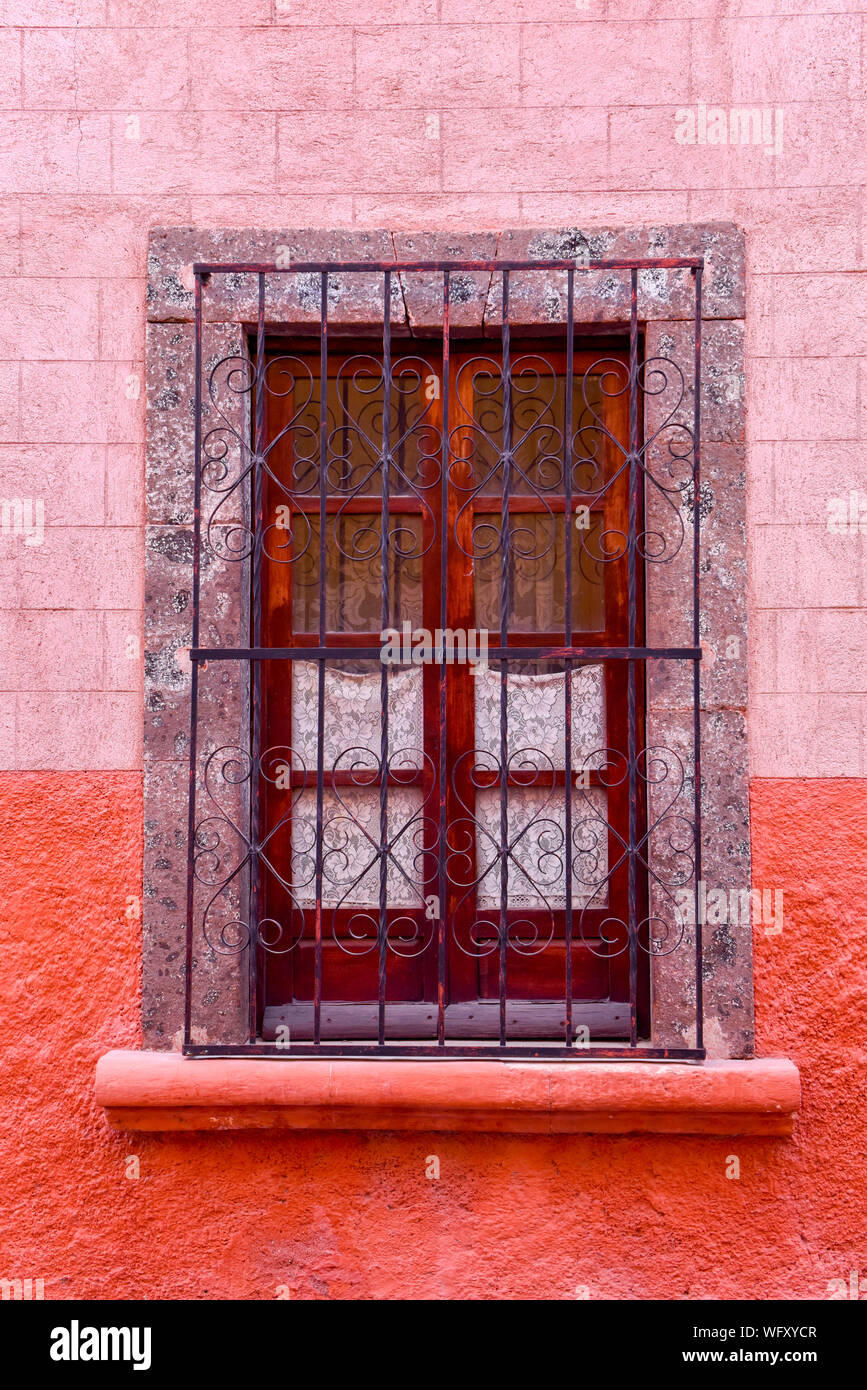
<point>696,668</point>
<point>194,671</point>
<point>567,617</point>
<point>632,610</point>
<point>256,896</point>
<point>385,752</point>
<point>203,268</point>
<point>205,654</point>
<point>442,877</point>
<point>454,1051</point>
<point>320,667</point>
<point>505,601</point>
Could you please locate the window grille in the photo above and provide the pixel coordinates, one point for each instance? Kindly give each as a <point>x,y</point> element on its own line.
<point>444,765</point>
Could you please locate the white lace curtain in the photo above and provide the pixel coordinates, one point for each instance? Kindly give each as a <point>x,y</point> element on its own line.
<point>536,815</point>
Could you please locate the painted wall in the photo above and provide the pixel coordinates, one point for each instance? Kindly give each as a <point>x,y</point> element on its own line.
<point>353,1215</point>
<point>423,114</point>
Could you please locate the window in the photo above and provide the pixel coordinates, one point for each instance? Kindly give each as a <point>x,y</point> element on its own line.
<point>500,580</point>
<point>442,791</point>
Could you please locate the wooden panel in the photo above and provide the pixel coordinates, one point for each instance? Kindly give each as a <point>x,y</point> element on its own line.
<point>347,975</point>
<point>543,976</point>
<point>477,1021</point>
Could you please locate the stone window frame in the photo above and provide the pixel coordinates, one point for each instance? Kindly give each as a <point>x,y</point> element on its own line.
<point>666,313</point>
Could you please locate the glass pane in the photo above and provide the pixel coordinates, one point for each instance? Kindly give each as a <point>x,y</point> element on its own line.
<point>536,715</point>
<point>536,830</point>
<point>537,573</point>
<point>351,863</point>
<point>536,806</point>
<point>353,715</point>
<point>350,809</point>
<point>538,430</point>
<point>353,578</point>
<point>355,430</point>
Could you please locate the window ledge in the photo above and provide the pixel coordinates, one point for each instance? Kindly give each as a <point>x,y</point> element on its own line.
<point>166,1091</point>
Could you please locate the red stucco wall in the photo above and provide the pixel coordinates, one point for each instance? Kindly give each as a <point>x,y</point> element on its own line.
<point>352,1215</point>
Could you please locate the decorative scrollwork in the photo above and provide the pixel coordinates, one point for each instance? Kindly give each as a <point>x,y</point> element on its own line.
<point>663,850</point>
<point>534,813</point>
<point>225,851</point>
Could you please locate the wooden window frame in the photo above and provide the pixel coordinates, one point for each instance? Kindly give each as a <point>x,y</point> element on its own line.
<point>599,980</point>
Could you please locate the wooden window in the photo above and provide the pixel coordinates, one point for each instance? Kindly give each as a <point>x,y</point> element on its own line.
<point>428,837</point>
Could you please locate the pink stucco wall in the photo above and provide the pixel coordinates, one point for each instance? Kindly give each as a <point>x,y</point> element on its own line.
<point>318,113</point>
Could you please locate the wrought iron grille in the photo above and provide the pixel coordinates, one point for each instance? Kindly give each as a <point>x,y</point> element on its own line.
<point>375,866</point>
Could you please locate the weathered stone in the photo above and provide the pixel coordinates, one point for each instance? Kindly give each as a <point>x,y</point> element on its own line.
<point>291,300</point>
<point>669,767</point>
<point>669,349</point>
<point>604,296</point>
<point>219,988</point>
<point>167,703</point>
<point>171,417</point>
<point>468,290</point>
<point>169,586</point>
<point>539,299</point>
<point>723,579</point>
<point>164,901</point>
<point>727,943</point>
<point>728,950</point>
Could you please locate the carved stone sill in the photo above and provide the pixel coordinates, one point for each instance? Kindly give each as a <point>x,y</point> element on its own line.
<point>165,1091</point>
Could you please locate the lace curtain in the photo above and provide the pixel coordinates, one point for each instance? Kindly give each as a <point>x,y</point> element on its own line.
<point>536,816</point>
